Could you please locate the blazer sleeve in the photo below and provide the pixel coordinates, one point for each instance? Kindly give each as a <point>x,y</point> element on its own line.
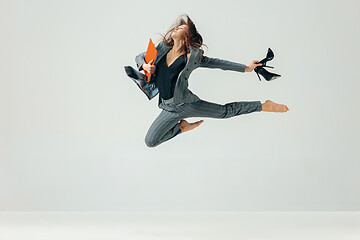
<point>208,62</point>
<point>140,58</point>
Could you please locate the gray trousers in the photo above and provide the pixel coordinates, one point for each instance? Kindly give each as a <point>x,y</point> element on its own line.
<point>167,124</point>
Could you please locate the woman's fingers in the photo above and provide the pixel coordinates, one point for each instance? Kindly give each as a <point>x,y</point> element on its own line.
<point>256,63</point>
<point>152,68</point>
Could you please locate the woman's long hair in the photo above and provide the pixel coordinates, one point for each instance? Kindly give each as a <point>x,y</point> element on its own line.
<point>192,36</point>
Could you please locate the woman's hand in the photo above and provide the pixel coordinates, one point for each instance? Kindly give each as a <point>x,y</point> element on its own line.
<point>148,67</point>
<point>252,65</point>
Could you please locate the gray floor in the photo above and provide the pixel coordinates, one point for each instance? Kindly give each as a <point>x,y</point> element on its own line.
<point>180,225</point>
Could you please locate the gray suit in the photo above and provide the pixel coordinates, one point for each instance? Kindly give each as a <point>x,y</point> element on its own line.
<point>184,103</point>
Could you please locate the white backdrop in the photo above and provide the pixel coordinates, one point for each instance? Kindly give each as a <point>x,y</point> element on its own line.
<point>73,124</point>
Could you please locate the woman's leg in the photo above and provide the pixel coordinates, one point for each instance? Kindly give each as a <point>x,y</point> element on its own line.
<point>165,127</point>
<point>207,109</point>
<point>203,108</point>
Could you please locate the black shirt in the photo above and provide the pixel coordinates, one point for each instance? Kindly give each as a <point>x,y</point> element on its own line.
<point>167,76</point>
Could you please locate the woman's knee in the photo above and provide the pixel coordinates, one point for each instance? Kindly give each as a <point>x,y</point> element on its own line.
<point>150,141</point>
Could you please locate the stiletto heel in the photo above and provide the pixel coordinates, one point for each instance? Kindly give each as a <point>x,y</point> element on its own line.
<point>267,66</point>
<point>258,75</point>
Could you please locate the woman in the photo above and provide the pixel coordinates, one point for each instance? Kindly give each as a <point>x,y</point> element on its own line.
<point>177,56</point>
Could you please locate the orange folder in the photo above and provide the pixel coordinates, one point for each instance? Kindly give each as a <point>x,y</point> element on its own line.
<point>150,55</point>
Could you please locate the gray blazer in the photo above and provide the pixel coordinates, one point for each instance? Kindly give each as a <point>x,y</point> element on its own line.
<point>181,93</point>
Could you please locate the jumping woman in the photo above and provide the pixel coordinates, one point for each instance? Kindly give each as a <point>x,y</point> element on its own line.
<point>177,56</point>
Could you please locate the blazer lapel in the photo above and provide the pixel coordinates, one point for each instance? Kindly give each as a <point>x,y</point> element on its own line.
<point>162,51</point>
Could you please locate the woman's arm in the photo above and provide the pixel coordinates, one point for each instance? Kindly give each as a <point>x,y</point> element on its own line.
<point>209,62</point>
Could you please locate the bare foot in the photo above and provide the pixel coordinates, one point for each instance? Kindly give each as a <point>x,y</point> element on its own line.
<point>270,106</point>
<point>186,126</point>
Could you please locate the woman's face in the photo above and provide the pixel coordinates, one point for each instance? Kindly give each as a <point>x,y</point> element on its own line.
<point>179,32</point>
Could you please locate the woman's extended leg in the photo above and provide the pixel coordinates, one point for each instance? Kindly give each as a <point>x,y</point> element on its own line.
<point>165,127</point>
<point>204,108</point>
<point>213,110</point>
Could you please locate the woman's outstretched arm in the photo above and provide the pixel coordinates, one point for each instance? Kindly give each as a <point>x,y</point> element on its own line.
<point>209,62</point>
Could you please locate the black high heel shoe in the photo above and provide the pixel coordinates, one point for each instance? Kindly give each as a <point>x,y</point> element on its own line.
<point>263,72</point>
<point>269,57</point>
<point>267,75</point>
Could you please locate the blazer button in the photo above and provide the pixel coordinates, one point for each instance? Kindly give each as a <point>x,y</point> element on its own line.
<point>194,62</point>
<point>187,69</point>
